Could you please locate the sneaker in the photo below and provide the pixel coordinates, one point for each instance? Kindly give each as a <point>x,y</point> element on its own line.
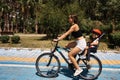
<point>69,61</point>
<point>78,71</point>
<point>82,57</point>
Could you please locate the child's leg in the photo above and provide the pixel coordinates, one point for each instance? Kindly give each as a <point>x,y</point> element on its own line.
<point>86,51</point>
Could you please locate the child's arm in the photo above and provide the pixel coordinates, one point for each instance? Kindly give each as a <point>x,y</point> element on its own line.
<point>94,43</point>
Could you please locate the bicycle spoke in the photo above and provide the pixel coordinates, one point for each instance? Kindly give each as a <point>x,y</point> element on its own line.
<point>47,65</point>
<point>91,68</point>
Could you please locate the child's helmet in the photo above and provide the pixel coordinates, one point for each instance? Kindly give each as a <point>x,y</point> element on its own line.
<point>97,31</point>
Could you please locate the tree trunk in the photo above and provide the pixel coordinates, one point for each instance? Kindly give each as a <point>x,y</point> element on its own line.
<point>36,28</point>
<point>0,29</point>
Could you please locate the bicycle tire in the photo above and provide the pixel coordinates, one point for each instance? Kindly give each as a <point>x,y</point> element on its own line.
<point>47,65</point>
<point>92,68</point>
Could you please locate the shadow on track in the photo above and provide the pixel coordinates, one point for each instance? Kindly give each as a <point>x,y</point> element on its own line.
<point>69,73</point>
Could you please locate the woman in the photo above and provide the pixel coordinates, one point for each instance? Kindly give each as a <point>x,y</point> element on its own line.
<point>78,45</point>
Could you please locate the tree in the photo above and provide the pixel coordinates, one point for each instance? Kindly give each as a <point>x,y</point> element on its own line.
<point>41,15</point>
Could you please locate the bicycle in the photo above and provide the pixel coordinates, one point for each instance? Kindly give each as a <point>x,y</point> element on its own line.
<point>48,64</point>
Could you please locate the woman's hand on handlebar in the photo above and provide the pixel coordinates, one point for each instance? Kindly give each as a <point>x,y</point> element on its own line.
<point>55,40</point>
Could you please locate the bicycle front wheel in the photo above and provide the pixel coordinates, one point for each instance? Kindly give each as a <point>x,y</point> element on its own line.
<point>91,68</point>
<point>47,65</point>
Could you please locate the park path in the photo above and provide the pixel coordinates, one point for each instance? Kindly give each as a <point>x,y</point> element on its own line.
<point>30,55</point>
<point>19,64</point>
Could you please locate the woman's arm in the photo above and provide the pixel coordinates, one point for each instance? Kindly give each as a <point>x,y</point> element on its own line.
<point>67,33</point>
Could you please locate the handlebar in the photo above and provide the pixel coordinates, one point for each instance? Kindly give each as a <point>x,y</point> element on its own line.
<point>56,43</point>
<point>56,46</point>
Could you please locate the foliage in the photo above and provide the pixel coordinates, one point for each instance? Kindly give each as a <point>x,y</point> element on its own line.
<point>51,15</point>
<point>117,28</point>
<point>106,28</point>
<point>4,39</point>
<point>104,10</point>
<point>15,39</point>
<point>114,38</point>
<point>87,26</point>
<point>55,20</point>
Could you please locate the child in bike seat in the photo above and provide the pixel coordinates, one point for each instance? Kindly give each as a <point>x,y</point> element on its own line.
<point>94,42</point>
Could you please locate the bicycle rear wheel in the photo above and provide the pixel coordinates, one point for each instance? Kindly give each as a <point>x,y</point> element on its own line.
<point>91,68</point>
<point>47,65</point>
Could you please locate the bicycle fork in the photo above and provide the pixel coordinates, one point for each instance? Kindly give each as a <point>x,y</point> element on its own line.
<point>50,60</point>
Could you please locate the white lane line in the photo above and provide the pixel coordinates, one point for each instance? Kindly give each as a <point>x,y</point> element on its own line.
<point>111,69</point>
<point>33,66</point>
<point>17,65</point>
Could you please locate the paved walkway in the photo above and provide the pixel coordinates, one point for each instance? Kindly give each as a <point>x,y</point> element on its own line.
<point>19,64</point>
<point>30,55</point>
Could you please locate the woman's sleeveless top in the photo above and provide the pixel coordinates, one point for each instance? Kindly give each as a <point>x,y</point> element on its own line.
<point>77,34</point>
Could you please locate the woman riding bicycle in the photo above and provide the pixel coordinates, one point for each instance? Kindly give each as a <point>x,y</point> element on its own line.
<point>78,45</point>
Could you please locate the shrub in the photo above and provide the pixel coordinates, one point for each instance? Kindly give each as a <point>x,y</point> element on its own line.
<point>5,39</point>
<point>117,28</point>
<point>106,28</point>
<point>15,39</point>
<point>114,38</point>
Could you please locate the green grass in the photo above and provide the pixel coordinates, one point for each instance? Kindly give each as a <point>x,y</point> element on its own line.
<point>40,42</point>
<point>32,42</point>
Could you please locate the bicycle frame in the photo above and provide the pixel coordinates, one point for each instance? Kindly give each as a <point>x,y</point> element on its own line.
<point>85,61</point>
<point>58,49</point>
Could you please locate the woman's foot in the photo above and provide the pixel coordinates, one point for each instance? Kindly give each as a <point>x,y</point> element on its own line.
<point>78,71</point>
<point>82,57</point>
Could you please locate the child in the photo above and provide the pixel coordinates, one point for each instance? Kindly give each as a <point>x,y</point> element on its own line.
<point>94,42</point>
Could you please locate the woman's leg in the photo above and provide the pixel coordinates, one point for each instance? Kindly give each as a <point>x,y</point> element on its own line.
<point>71,55</point>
